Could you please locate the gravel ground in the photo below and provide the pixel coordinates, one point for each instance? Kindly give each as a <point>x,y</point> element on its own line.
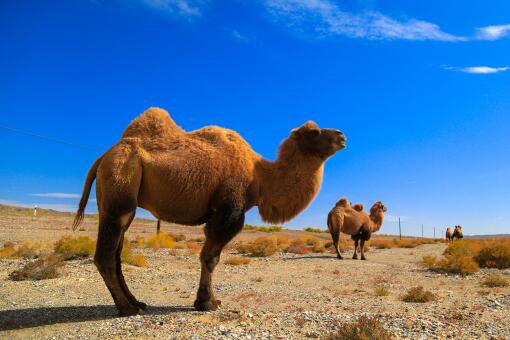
<point>284,296</point>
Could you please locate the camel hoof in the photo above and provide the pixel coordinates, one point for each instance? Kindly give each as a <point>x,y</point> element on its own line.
<point>129,311</point>
<point>355,257</point>
<point>141,305</point>
<point>363,258</point>
<point>340,257</point>
<point>209,305</point>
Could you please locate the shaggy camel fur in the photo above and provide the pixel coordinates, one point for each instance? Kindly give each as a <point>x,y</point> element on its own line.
<point>457,233</point>
<point>210,176</point>
<point>449,234</point>
<point>352,220</point>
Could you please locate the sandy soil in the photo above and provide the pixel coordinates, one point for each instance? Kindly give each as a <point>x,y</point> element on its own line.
<point>284,296</point>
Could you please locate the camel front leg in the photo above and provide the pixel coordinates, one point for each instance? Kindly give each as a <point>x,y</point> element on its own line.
<point>355,255</point>
<point>362,249</point>
<point>220,229</point>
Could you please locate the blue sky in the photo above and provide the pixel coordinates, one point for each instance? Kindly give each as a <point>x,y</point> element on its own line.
<point>420,88</point>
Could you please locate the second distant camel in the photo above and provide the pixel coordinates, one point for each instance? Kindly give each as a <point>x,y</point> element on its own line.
<point>352,220</point>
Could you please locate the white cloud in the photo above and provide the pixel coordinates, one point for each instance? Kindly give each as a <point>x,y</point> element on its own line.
<point>328,19</point>
<point>393,218</point>
<point>238,35</point>
<point>185,8</point>
<point>493,32</point>
<point>478,69</point>
<point>57,195</point>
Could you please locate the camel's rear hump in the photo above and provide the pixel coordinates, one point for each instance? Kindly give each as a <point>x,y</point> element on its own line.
<point>153,123</point>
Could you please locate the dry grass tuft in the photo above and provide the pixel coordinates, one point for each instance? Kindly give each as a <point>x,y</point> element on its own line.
<point>453,264</point>
<point>237,261</point>
<point>381,291</point>
<point>161,240</point>
<point>496,254</point>
<point>268,229</point>
<point>7,251</point>
<point>495,280</point>
<point>261,247</point>
<point>128,257</point>
<point>70,248</point>
<point>46,267</point>
<point>316,230</point>
<point>418,295</point>
<point>364,328</point>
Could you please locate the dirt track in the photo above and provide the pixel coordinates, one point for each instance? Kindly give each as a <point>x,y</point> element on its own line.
<point>284,296</point>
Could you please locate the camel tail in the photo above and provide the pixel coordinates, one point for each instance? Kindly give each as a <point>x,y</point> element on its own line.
<point>91,176</point>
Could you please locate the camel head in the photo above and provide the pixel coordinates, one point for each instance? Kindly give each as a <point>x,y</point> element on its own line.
<point>311,139</point>
<point>378,207</point>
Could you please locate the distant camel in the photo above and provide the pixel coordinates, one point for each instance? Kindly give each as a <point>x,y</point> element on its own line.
<point>210,176</point>
<point>457,233</point>
<point>449,234</point>
<point>343,218</point>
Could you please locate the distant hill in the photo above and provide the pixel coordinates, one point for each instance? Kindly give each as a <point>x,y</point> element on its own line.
<point>481,237</point>
<point>9,210</point>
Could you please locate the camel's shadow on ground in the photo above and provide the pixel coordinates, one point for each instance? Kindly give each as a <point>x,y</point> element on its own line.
<point>325,257</point>
<point>41,316</point>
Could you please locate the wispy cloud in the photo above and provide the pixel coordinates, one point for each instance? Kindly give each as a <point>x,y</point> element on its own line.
<point>393,218</point>
<point>493,32</point>
<point>54,206</point>
<point>478,69</point>
<point>237,35</point>
<point>326,18</point>
<point>57,195</point>
<point>185,8</point>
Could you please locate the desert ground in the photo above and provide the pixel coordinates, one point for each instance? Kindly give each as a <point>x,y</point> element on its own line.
<point>285,296</point>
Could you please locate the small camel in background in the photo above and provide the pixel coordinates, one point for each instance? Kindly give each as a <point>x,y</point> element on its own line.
<point>449,235</point>
<point>352,220</point>
<point>457,233</point>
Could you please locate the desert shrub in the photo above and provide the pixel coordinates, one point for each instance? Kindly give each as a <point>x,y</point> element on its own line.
<point>298,249</point>
<point>453,264</point>
<point>495,254</point>
<point>70,248</point>
<point>161,240</point>
<point>364,328</point>
<point>316,230</point>
<point>178,237</point>
<point>31,250</point>
<point>495,280</point>
<point>464,247</point>
<point>138,242</point>
<point>237,261</point>
<point>193,247</point>
<point>128,257</point>
<point>7,251</point>
<point>282,242</point>
<point>268,229</point>
<point>381,291</point>
<point>383,243</point>
<point>419,295</point>
<point>46,267</point>
<point>261,247</point>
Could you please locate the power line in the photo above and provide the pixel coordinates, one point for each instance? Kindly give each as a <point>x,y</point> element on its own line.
<point>51,139</point>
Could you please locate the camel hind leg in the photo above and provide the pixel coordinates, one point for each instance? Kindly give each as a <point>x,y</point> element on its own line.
<point>335,235</point>
<point>118,183</point>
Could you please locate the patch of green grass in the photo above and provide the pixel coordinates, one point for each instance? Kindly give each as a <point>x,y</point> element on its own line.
<point>268,229</point>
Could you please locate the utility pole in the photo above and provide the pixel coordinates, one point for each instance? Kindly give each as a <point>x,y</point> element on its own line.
<point>422,231</point>
<point>158,227</point>
<point>399,228</point>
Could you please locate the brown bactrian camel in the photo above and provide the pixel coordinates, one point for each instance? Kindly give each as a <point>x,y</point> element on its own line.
<point>449,234</point>
<point>457,233</point>
<point>352,220</point>
<point>209,176</point>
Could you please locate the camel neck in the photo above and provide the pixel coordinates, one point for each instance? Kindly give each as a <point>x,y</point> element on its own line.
<point>377,219</point>
<point>288,185</point>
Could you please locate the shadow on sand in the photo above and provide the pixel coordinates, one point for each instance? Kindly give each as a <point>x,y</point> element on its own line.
<point>331,257</point>
<point>41,316</point>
